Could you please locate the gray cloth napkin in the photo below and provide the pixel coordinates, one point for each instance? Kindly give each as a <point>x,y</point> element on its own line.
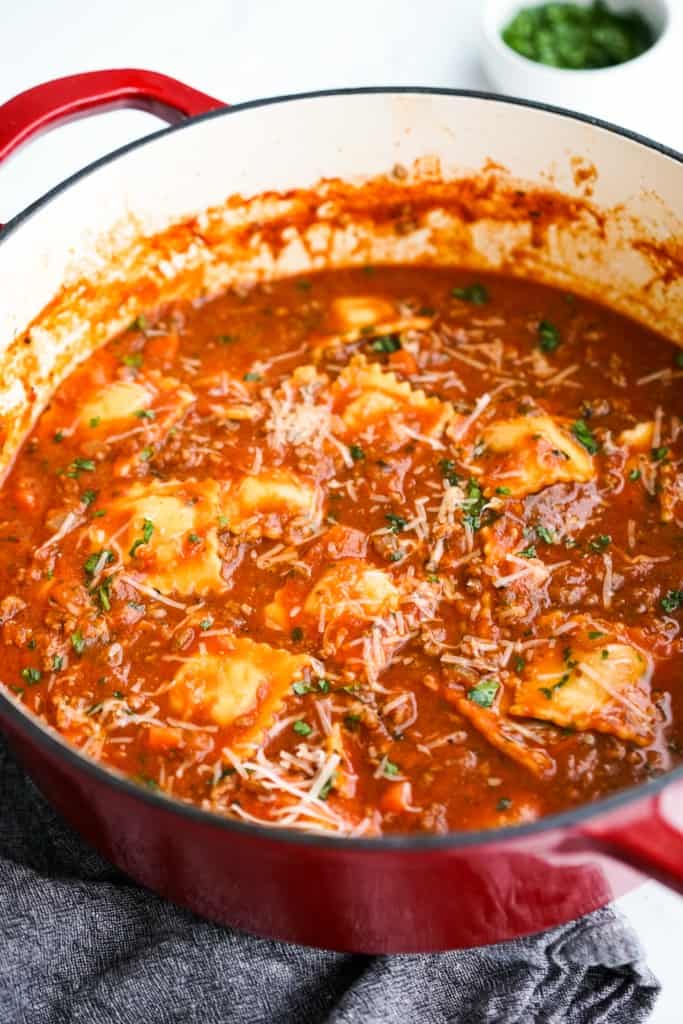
<point>79,942</point>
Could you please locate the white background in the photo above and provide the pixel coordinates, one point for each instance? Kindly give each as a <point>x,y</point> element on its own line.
<point>243,50</point>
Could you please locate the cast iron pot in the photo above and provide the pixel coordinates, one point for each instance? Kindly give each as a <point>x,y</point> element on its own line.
<point>393,894</point>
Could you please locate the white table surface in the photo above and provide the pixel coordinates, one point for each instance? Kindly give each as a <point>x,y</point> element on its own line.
<point>243,50</point>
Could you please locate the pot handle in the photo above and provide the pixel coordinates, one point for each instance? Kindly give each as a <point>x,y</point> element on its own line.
<point>649,839</point>
<point>66,99</point>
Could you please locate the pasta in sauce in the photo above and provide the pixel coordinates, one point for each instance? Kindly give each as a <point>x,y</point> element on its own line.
<point>377,550</point>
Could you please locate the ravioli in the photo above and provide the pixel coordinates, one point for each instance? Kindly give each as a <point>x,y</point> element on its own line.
<point>239,683</point>
<point>604,687</point>
<point>527,453</point>
<point>115,404</point>
<point>350,592</point>
<point>365,396</point>
<point>167,533</point>
<point>272,504</point>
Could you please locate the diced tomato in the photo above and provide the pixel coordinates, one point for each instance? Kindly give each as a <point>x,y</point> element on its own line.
<point>162,737</point>
<point>402,361</point>
<point>163,347</point>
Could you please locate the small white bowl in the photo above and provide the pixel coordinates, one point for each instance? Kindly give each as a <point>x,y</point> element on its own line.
<point>638,94</point>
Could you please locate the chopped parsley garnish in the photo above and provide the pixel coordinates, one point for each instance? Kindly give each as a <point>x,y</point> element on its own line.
<point>223,521</point>
<point>475,505</point>
<point>595,634</point>
<point>206,623</point>
<point>325,791</point>
<point>390,768</point>
<point>548,336</point>
<point>31,675</point>
<point>356,452</point>
<point>147,531</point>
<point>352,722</point>
<point>600,543</point>
<point>396,556</point>
<point>146,453</point>
<point>92,560</point>
<point>659,454</point>
<point>679,359</point>
<point>193,538</point>
<point>397,524</point>
<point>252,376</point>
<point>604,654</point>
<point>145,414</point>
<point>227,339</point>
<point>58,436</point>
<point>484,693</point>
<point>584,436</point>
<point>520,664</point>
<point>297,635</point>
<point>301,688</point>
<point>386,343</point>
<point>302,728</point>
<point>324,685</point>
<point>544,534</point>
<point>88,497</point>
<point>578,37</point>
<point>634,474</point>
<point>79,466</point>
<point>503,490</point>
<point>477,294</point>
<point>77,642</point>
<point>133,359</point>
<point>95,421</point>
<point>529,552</point>
<point>104,595</point>
<point>504,804</point>
<point>141,323</point>
<point>447,470</point>
<point>672,600</point>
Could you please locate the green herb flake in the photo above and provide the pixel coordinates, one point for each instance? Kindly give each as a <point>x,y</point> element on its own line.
<point>447,470</point>
<point>546,535</point>
<point>57,662</point>
<point>672,601</point>
<point>520,664</point>
<point>504,804</point>
<point>31,675</point>
<point>147,531</point>
<point>297,635</point>
<point>386,343</point>
<point>503,491</point>
<point>595,634</point>
<point>145,414</point>
<point>356,452</point>
<point>206,623</point>
<point>302,728</point>
<point>146,453</point>
<point>79,466</point>
<point>193,537</point>
<point>92,560</point>
<point>58,436</point>
<point>600,543</point>
<point>484,693</point>
<point>679,359</point>
<point>391,768</point>
<point>301,688</point>
<point>634,474</point>
<point>95,421</point>
<point>324,685</point>
<point>396,556</point>
<point>477,294</point>
<point>475,502</point>
<point>584,436</point>
<point>226,339</point>
<point>548,336</point>
<point>252,377</point>
<point>77,642</point>
<point>133,359</point>
<point>659,454</point>
<point>529,552</point>
<point>397,524</point>
<point>87,497</point>
<point>141,323</point>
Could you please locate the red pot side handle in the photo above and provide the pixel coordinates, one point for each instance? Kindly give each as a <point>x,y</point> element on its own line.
<point>66,99</point>
<point>648,838</point>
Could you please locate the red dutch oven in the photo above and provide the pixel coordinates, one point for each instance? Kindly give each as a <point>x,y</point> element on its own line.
<point>391,894</point>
